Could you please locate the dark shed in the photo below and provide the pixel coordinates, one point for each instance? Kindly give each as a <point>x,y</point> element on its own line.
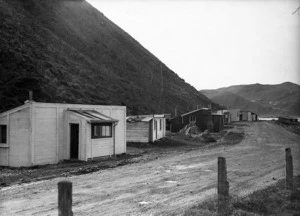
<point>288,120</point>
<point>201,117</point>
<point>218,122</point>
<point>254,116</point>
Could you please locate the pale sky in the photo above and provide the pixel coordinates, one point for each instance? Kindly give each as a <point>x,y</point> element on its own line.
<point>212,44</point>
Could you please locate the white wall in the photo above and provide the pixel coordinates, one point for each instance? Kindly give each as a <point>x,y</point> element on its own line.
<point>38,134</point>
<point>45,135</point>
<point>120,138</point>
<point>234,115</point>
<point>160,133</point>
<point>18,135</point>
<point>249,116</point>
<point>137,132</point>
<point>4,156</point>
<point>97,147</point>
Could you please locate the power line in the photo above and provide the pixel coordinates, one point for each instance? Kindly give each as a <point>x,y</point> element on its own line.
<point>298,10</point>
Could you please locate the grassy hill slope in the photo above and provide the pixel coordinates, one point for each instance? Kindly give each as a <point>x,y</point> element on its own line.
<point>67,51</point>
<point>281,99</point>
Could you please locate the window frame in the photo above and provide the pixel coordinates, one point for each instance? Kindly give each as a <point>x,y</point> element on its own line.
<point>1,136</point>
<point>192,119</point>
<point>160,124</point>
<point>93,125</point>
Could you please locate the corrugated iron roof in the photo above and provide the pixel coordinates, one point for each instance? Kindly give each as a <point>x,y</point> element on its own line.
<point>144,118</point>
<point>94,116</point>
<point>217,114</point>
<point>139,118</point>
<point>194,111</point>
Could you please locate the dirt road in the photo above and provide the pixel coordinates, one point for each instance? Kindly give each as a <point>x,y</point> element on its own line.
<point>167,185</point>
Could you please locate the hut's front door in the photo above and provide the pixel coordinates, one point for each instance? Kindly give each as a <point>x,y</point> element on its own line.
<point>74,141</point>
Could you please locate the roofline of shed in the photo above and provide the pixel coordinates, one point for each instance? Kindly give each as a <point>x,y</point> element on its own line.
<point>111,120</point>
<point>70,104</point>
<point>195,111</point>
<point>26,105</point>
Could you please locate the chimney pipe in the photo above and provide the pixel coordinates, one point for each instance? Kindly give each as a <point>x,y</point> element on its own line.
<point>30,95</point>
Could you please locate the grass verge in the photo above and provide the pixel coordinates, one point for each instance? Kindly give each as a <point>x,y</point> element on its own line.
<point>273,200</point>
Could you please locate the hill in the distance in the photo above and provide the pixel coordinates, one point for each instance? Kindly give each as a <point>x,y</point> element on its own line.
<point>67,51</point>
<point>266,100</point>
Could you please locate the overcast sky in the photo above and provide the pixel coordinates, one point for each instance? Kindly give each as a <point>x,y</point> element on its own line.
<point>212,44</point>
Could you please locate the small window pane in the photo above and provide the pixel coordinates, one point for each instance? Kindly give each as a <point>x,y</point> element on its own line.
<point>3,133</point>
<point>192,119</point>
<point>101,130</point>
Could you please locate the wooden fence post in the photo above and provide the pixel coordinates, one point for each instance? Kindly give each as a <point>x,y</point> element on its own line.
<point>223,187</point>
<point>65,198</point>
<point>289,169</point>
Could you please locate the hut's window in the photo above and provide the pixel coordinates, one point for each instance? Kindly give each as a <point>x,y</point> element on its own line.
<point>101,130</point>
<point>160,124</point>
<point>192,119</point>
<point>3,133</point>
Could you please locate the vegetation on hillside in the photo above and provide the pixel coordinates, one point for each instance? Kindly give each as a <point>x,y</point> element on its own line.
<point>67,51</point>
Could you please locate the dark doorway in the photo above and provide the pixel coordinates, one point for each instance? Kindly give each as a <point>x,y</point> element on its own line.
<point>241,117</point>
<point>74,141</point>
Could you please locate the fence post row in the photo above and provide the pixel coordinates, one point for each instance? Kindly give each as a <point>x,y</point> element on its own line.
<point>223,187</point>
<point>65,198</point>
<point>289,169</point>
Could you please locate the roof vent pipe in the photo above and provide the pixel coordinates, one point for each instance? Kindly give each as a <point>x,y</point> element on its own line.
<point>30,95</point>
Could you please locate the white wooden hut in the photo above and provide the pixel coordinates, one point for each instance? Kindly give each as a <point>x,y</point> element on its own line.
<point>145,128</point>
<point>246,115</point>
<point>234,115</point>
<point>46,133</point>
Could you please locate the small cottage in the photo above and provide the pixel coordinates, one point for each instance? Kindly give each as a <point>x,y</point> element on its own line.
<point>201,117</point>
<point>245,116</point>
<point>234,115</point>
<point>46,133</point>
<point>254,116</point>
<point>226,115</point>
<point>145,128</point>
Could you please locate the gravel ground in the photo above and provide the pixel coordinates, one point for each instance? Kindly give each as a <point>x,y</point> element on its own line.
<point>177,179</point>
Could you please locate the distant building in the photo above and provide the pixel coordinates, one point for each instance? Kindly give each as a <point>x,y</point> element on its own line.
<point>168,120</point>
<point>46,133</point>
<point>218,122</point>
<point>248,116</point>
<point>245,116</point>
<point>201,117</point>
<point>234,115</point>
<point>288,120</point>
<point>226,115</point>
<point>145,128</point>
<point>254,116</point>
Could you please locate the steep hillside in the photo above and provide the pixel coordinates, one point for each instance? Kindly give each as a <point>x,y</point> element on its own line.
<point>67,51</point>
<point>281,99</point>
